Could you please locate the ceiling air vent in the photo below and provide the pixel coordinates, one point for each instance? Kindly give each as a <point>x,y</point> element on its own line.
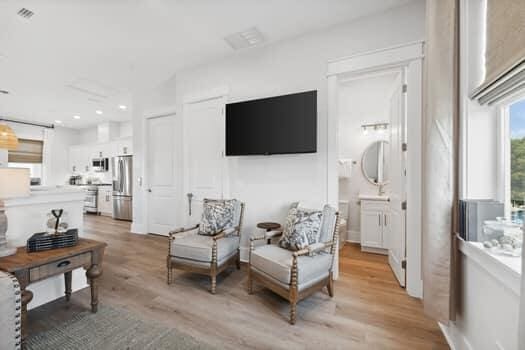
<point>25,13</point>
<point>247,38</point>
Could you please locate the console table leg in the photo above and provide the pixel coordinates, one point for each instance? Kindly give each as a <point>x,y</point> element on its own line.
<point>93,274</point>
<point>67,280</point>
<point>27,296</point>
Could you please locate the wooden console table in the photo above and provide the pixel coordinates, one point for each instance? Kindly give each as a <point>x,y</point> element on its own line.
<point>33,267</point>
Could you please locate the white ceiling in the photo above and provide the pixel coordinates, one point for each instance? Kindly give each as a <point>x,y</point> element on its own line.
<point>115,47</point>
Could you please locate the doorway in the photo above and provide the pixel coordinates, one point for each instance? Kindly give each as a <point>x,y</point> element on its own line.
<point>161,175</point>
<point>374,155</point>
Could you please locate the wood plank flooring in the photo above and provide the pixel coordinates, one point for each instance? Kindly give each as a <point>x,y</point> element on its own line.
<point>369,310</point>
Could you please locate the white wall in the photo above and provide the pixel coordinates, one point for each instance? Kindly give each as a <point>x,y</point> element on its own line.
<point>363,101</point>
<point>269,184</point>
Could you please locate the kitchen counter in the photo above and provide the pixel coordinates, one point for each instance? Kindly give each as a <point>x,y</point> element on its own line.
<point>28,215</point>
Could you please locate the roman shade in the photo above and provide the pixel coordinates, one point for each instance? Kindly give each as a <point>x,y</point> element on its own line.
<point>504,51</point>
<point>28,151</point>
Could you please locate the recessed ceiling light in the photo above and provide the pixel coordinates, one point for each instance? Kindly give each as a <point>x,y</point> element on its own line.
<point>99,112</point>
<point>58,121</point>
<point>122,107</point>
<point>76,117</point>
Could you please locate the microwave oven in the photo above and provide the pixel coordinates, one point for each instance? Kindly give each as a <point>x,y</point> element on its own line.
<point>100,165</point>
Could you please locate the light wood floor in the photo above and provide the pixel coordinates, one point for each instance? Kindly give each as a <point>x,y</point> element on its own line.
<point>369,310</point>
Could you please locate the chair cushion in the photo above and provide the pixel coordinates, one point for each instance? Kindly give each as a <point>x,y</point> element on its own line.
<point>301,228</point>
<point>199,248</point>
<point>217,215</point>
<point>277,263</point>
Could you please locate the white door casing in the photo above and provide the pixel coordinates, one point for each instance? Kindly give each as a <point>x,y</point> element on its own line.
<point>161,175</point>
<point>406,56</point>
<point>397,225</point>
<point>205,167</point>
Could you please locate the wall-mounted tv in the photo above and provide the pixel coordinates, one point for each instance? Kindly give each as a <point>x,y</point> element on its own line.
<point>274,125</point>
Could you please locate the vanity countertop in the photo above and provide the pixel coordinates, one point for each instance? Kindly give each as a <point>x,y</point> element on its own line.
<point>374,197</point>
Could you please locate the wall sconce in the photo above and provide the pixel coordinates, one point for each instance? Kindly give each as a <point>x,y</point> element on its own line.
<point>379,127</point>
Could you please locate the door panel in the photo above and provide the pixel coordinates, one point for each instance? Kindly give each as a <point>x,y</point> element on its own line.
<point>161,175</point>
<point>371,235</point>
<point>205,164</point>
<point>396,231</point>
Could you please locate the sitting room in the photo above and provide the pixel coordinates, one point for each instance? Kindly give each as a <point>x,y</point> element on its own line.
<point>296,174</point>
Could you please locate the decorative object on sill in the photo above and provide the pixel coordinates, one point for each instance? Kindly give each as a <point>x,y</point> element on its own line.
<point>54,226</point>
<point>379,127</point>
<point>8,139</point>
<point>473,213</point>
<point>505,245</point>
<point>495,229</point>
<point>14,182</point>
<point>45,241</point>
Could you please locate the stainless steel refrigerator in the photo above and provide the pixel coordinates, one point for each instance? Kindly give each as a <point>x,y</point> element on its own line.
<point>121,168</point>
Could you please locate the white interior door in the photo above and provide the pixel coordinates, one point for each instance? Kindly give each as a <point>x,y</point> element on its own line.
<point>204,160</point>
<point>396,229</point>
<point>161,175</point>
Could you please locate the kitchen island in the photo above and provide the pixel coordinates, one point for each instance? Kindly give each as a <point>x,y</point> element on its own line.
<point>28,215</point>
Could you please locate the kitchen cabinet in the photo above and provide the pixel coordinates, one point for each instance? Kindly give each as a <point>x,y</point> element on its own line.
<point>375,225</point>
<point>79,159</point>
<point>105,200</point>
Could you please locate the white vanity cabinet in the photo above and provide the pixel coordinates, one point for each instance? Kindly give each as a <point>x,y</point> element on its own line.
<point>375,224</point>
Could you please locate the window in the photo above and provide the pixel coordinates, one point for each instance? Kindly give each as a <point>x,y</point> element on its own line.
<point>28,155</point>
<point>516,115</point>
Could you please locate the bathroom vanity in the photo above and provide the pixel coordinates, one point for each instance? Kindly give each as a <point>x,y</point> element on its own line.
<point>375,223</point>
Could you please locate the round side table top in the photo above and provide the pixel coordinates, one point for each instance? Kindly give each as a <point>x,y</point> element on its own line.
<point>269,225</point>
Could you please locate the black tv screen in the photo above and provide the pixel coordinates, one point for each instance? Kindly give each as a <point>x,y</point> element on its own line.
<point>274,125</point>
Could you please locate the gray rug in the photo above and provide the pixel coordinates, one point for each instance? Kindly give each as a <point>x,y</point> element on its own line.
<point>112,329</point>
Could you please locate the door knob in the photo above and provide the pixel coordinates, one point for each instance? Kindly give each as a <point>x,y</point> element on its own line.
<point>149,189</point>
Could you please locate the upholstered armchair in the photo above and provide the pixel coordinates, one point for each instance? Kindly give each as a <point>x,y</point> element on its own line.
<point>295,275</point>
<point>190,249</point>
<point>10,312</point>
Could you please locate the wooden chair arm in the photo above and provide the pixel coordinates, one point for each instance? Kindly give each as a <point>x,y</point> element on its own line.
<point>257,238</point>
<point>182,229</point>
<point>313,248</point>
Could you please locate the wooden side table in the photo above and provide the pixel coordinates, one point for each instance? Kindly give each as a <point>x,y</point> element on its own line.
<point>269,226</point>
<point>33,267</point>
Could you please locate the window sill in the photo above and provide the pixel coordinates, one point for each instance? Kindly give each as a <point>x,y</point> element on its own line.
<point>505,269</point>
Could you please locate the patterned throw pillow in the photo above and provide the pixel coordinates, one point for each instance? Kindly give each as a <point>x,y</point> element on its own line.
<point>301,229</point>
<point>216,216</point>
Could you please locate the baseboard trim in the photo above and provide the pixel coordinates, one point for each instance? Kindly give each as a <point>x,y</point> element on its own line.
<point>138,228</point>
<point>454,338</point>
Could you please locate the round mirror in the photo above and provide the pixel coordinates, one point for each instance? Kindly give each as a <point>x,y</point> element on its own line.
<point>374,163</point>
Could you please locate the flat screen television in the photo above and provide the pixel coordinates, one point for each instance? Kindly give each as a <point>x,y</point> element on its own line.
<point>275,125</point>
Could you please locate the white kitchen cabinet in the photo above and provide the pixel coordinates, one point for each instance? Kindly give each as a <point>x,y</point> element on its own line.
<point>105,200</point>
<point>79,159</point>
<point>375,225</point>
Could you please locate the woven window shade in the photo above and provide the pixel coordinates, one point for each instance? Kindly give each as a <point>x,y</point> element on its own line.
<point>28,151</point>
<point>504,52</point>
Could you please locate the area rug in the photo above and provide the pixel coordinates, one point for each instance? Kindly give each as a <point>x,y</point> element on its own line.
<point>112,329</point>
